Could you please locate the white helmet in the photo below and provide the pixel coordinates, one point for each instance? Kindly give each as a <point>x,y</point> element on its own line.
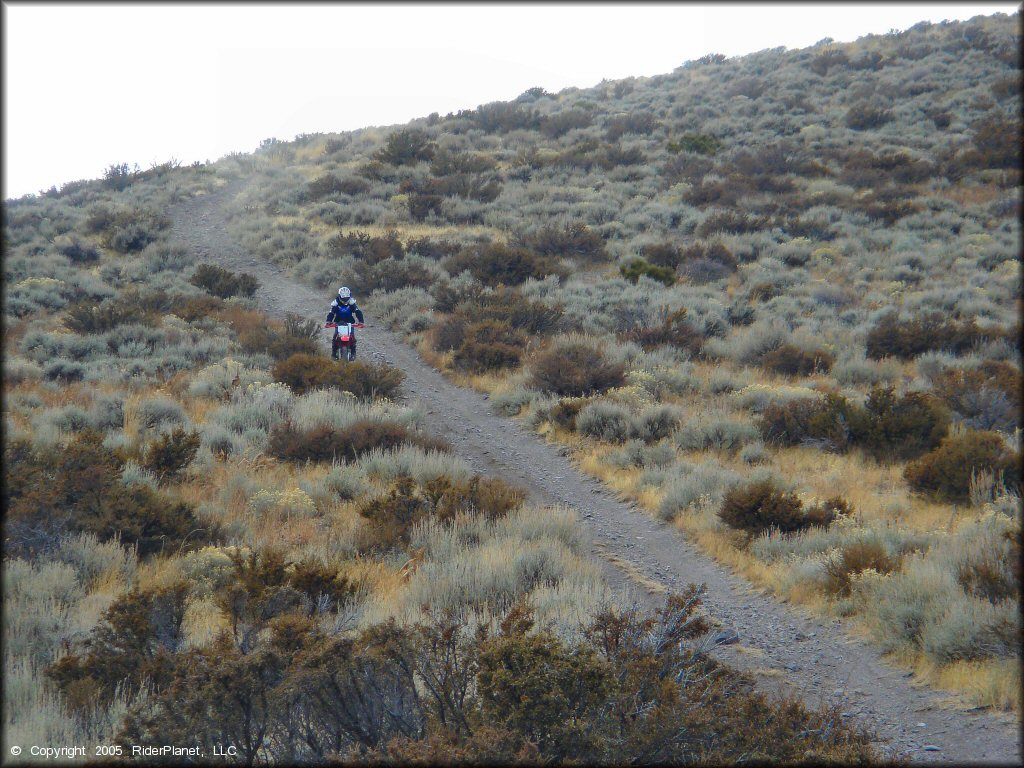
<point>344,293</point>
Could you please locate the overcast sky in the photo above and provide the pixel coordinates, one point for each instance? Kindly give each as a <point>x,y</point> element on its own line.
<point>89,85</point>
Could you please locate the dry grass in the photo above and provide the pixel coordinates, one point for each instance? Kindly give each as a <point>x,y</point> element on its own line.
<point>635,574</point>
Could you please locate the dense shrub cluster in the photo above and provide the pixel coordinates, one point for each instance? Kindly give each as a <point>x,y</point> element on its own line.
<point>499,264</point>
<point>760,506</point>
<point>790,360</point>
<point>365,247</point>
<point>304,372</point>
<point>279,687</point>
<point>171,453</point>
<point>390,275</point>
<point>222,282</point>
<point>330,185</point>
<point>139,639</point>
<point>328,443</point>
<point>887,426</point>
<point>946,472</point>
<point>986,397</point>
<point>574,240</point>
<point>906,339</point>
<point>406,146</point>
<point>78,488</point>
<point>76,251</point>
<point>391,517</point>
<point>126,230</point>
<point>488,331</point>
<point>855,558</point>
<point>575,369</point>
<point>637,268</point>
<point>90,317</point>
<point>260,334</point>
<point>674,331</point>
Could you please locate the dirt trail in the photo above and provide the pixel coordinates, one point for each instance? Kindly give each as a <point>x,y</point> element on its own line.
<point>788,648</point>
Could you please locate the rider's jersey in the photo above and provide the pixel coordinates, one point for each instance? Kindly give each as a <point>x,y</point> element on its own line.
<point>342,311</point>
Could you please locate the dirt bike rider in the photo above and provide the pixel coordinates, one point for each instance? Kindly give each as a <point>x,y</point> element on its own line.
<point>342,310</point>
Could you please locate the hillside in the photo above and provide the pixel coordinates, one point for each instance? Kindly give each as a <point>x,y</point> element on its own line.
<point>771,300</point>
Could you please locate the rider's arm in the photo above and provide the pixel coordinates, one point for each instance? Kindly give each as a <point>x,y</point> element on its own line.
<point>358,313</point>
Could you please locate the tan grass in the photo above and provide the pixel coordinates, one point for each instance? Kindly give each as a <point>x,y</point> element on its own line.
<point>635,574</point>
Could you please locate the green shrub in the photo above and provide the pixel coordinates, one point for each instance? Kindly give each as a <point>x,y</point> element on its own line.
<point>675,331</point>
<point>171,453</point>
<point>509,306</point>
<point>891,427</point>
<point>863,117</point>
<point>366,248</point>
<point>223,283</point>
<point>78,489</point>
<point>699,143</point>
<point>391,275</point>
<point>637,268</point>
<point>498,264</point>
<point>575,369</point>
<point>662,255</point>
<point>327,443</point>
<point>126,230</point>
<point>788,423</point>
<point>406,146</point>
<point>790,360</point>
<point>560,123</point>
<point>639,123</point>
<point>759,506</point>
<point>996,142</point>
<point>133,645</point>
<point>432,249</point>
<point>422,204</point>
<point>480,357</point>
<point>393,515</point>
<point>986,397</point>
<point>887,427</point>
<point>330,185</point>
<point>575,240</point>
<point>945,472</point>
<point>906,339</point>
<point>76,251</point>
<point>89,317</point>
<point>303,372</point>
<point>536,686</point>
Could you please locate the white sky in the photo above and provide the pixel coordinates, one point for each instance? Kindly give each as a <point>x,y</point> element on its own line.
<point>87,85</point>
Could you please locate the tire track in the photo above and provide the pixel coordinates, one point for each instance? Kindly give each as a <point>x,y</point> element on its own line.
<point>789,649</point>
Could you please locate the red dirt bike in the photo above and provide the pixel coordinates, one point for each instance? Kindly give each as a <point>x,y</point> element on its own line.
<point>345,340</point>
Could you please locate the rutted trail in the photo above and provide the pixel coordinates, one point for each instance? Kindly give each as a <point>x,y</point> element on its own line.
<point>813,657</point>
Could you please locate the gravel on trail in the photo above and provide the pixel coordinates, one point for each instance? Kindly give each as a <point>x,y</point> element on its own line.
<point>788,649</point>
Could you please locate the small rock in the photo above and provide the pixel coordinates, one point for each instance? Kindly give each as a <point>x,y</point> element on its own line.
<point>931,748</point>
<point>726,637</point>
<point>838,692</point>
<point>922,725</point>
